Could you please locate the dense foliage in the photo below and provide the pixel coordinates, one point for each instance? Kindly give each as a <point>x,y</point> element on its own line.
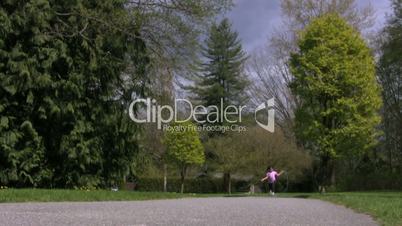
<point>390,76</point>
<point>62,92</point>
<point>68,71</point>
<point>338,92</point>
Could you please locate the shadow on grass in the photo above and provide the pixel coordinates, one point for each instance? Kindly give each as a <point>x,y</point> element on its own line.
<point>301,196</point>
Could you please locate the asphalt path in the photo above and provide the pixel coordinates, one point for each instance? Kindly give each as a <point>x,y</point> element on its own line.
<point>240,211</point>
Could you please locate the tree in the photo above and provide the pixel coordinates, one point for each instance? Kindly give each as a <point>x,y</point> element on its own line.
<point>153,137</point>
<point>222,79</point>
<point>172,29</point>
<point>268,68</point>
<point>338,93</point>
<point>184,147</point>
<point>250,152</point>
<point>262,149</point>
<point>69,71</point>
<point>61,70</point>
<point>221,82</point>
<point>228,156</point>
<point>390,77</point>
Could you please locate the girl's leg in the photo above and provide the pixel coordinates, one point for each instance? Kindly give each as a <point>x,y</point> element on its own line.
<point>271,187</point>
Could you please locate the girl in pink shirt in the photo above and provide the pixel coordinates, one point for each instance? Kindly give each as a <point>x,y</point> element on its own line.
<point>271,177</point>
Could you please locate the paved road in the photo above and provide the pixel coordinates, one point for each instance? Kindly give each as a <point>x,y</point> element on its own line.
<point>240,211</point>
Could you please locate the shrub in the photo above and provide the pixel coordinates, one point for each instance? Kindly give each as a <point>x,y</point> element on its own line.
<point>194,185</point>
<point>370,181</point>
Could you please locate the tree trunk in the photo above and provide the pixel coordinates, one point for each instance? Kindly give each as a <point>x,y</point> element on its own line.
<point>182,174</point>
<point>390,159</point>
<point>252,189</point>
<point>230,185</point>
<point>227,182</point>
<point>164,177</point>
<point>325,173</point>
<point>333,174</point>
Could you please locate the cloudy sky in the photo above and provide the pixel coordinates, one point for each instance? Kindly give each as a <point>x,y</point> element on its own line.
<point>256,19</point>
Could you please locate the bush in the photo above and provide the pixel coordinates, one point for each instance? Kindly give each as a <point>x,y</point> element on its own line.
<point>191,185</point>
<point>292,186</point>
<point>370,181</point>
<point>215,185</point>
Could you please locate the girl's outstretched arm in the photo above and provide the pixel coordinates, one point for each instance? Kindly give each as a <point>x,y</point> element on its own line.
<point>264,179</point>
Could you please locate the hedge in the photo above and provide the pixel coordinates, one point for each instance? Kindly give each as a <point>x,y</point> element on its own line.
<point>370,181</point>
<point>191,185</point>
<point>215,185</point>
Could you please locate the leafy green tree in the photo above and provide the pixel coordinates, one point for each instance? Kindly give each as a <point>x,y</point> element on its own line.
<point>390,76</point>
<point>222,78</point>
<point>339,95</point>
<point>184,147</point>
<point>268,66</point>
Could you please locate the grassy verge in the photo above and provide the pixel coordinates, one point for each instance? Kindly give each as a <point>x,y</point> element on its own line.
<point>61,195</point>
<point>385,207</point>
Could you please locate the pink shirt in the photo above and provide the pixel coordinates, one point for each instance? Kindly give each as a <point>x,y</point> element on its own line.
<point>272,176</point>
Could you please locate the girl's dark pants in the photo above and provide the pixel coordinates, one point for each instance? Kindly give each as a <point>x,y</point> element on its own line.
<point>271,187</point>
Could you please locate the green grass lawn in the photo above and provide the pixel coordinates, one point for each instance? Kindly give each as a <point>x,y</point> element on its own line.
<point>385,207</point>
<point>60,195</point>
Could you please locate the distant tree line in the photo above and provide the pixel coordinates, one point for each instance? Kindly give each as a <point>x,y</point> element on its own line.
<point>70,69</point>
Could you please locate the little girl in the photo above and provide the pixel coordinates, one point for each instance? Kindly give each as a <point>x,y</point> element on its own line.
<point>271,176</point>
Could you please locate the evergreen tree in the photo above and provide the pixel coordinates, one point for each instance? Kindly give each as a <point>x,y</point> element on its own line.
<point>221,82</point>
<point>339,95</point>
<point>68,70</point>
<point>390,76</point>
<point>26,58</point>
<point>222,78</point>
<point>64,92</point>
